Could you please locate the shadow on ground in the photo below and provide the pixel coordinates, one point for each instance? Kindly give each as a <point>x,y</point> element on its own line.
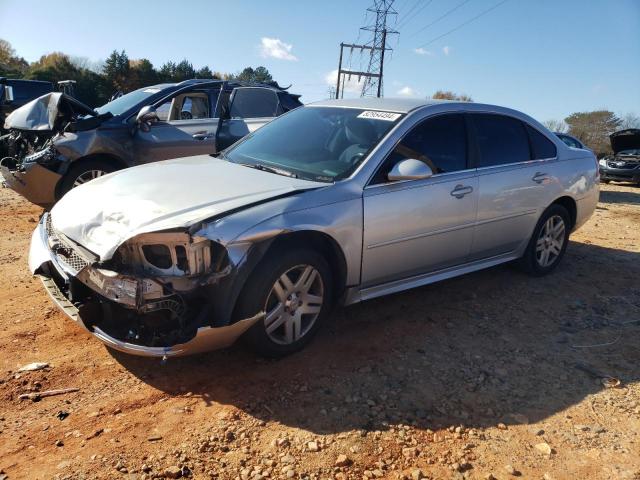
<point>614,196</point>
<point>494,346</point>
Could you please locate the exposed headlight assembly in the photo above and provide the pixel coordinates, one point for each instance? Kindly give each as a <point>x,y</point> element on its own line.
<point>172,254</point>
<point>602,162</point>
<point>45,156</point>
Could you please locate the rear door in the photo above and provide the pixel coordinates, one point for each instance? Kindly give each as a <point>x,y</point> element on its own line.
<point>419,226</point>
<point>515,171</point>
<point>186,127</point>
<point>249,109</point>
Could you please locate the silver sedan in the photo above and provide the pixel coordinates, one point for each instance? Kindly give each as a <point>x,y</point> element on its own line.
<point>335,202</point>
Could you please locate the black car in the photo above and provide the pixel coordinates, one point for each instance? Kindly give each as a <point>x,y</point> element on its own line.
<point>57,143</point>
<point>624,164</point>
<point>14,93</point>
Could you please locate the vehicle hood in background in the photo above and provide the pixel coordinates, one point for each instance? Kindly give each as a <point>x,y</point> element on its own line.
<point>625,140</point>
<point>104,213</point>
<point>47,113</point>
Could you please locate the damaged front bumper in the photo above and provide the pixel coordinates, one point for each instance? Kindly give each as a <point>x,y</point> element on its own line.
<point>33,181</point>
<point>59,274</point>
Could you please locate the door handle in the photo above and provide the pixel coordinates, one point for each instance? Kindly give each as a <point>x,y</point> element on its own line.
<point>461,190</point>
<point>201,136</point>
<point>540,177</point>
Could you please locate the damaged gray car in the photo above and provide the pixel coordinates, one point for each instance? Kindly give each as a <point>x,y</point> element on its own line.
<point>335,202</point>
<point>56,143</point>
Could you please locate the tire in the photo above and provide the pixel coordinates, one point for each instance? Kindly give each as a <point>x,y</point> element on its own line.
<point>83,172</point>
<point>546,236</point>
<point>286,328</point>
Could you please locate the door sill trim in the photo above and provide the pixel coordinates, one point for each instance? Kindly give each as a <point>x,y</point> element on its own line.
<point>357,295</point>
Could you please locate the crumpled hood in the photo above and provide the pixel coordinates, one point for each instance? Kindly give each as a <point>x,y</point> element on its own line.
<point>104,213</point>
<point>625,140</point>
<point>46,113</point>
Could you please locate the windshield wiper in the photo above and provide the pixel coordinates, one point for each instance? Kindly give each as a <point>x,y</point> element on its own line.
<point>270,169</point>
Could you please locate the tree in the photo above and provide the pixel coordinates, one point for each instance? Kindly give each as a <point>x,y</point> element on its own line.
<point>167,71</point>
<point>10,64</point>
<point>556,125</point>
<point>630,120</point>
<point>184,71</point>
<point>142,74</point>
<point>116,71</point>
<point>593,129</point>
<point>259,75</point>
<point>449,95</point>
<point>204,72</point>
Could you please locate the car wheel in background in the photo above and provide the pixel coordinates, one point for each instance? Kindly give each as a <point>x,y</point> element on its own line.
<point>84,172</point>
<point>548,242</point>
<point>294,289</point>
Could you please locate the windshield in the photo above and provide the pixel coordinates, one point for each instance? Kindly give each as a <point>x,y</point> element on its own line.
<point>322,144</point>
<point>125,102</point>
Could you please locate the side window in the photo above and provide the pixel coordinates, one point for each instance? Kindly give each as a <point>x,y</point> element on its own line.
<point>500,139</point>
<point>440,142</point>
<point>254,103</point>
<point>188,106</point>
<point>541,146</point>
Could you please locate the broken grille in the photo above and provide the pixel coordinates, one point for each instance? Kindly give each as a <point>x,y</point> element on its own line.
<point>63,251</point>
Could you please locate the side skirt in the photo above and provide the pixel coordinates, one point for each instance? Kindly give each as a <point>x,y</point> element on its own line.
<point>355,294</point>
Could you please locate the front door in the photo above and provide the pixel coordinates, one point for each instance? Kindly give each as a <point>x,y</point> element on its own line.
<point>419,226</point>
<point>249,109</point>
<point>185,128</point>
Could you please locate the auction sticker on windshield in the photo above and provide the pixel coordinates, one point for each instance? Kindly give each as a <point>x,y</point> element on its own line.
<point>388,116</point>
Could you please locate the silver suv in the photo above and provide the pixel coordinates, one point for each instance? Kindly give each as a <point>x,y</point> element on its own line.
<point>335,202</point>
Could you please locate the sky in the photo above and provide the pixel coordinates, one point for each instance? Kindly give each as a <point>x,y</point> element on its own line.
<point>548,58</point>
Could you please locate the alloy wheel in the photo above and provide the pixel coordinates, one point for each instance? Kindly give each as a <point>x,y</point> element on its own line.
<point>88,176</point>
<point>550,241</point>
<point>294,304</point>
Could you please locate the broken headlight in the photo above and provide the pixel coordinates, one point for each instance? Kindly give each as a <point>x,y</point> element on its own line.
<point>45,156</point>
<point>171,254</point>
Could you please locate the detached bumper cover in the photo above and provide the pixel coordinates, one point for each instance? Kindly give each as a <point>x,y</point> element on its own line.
<point>206,338</point>
<point>34,182</point>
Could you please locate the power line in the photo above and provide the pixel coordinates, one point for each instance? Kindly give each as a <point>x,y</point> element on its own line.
<point>418,12</point>
<point>446,14</point>
<point>406,15</point>
<point>484,12</point>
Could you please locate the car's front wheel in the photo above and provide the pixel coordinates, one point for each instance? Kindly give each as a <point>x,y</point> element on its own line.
<point>84,172</point>
<point>548,242</point>
<point>294,290</point>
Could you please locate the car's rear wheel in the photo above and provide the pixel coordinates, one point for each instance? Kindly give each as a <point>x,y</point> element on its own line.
<point>548,242</point>
<point>84,172</point>
<point>294,290</point>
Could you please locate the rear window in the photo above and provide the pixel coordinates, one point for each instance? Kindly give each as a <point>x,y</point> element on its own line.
<point>541,146</point>
<point>501,139</point>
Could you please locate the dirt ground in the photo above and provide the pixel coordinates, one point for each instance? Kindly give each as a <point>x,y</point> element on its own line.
<point>491,375</point>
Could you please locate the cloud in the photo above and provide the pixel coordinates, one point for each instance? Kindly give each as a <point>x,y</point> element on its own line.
<point>407,91</point>
<point>349,85</point>
<point>422,51</point>
<point>276,48</point>
<point>446,50</point>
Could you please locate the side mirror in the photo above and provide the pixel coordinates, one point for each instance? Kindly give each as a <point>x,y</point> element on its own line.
<point>146,116</point>
<point>409,169</point>
<point>8,93</point>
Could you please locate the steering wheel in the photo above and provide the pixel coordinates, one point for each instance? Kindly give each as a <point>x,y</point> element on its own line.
<point>185,115</point>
